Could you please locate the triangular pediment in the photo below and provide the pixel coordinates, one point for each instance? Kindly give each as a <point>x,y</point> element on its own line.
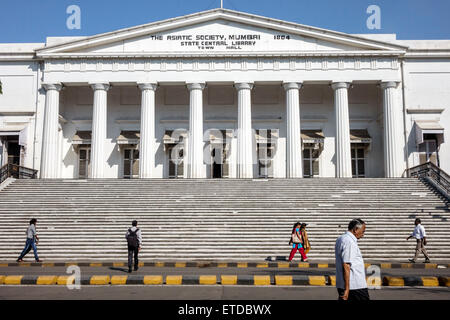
<point>218,31</point>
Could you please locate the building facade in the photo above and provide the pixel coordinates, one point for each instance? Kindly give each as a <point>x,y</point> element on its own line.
<point>225,94</point>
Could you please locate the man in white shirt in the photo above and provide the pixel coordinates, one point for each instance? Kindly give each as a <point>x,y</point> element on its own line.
<point>421,238</point>
<point>350,270</point>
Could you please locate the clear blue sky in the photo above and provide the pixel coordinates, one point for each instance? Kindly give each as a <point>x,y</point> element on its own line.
<point>34,20</point>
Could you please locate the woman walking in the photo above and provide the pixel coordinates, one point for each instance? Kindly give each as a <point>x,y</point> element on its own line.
<point>304,234</point>
<point>296,240</point>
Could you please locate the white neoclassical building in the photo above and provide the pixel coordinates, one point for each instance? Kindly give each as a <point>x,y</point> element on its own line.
<point>225,94</point>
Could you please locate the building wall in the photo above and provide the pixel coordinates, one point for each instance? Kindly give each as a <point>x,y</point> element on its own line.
<point>21,106</point>
<point>427,87</point>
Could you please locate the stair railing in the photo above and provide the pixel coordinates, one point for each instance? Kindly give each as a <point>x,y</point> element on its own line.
<point>432,174</point>
<point>17,172</point>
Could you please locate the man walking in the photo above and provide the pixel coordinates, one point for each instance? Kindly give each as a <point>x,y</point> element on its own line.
<point>421,238</point>
<point>134,239</point>
<point>32,241</point>
<point>350,270</point>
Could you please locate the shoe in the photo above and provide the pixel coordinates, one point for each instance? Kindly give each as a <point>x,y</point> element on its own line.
<point>129,270</point>
<point>412,260</point>
<point>136,268</point>
<point>39,261</point>
<point>427,261</point>
<point>306,260</point>
<point>19,260</point>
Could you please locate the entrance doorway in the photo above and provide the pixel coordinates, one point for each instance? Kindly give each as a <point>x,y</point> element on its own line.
<point>131,163</point>
<point>84,162</point>
<point>10,150</point>
<point>219,160</point>
<point>358,160</point>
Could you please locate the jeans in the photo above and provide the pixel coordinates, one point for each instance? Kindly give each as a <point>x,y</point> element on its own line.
<point>28,245</point>
<point>131,251</point>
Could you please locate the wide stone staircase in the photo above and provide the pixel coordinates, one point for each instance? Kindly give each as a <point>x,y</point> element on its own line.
<point>223,219</point>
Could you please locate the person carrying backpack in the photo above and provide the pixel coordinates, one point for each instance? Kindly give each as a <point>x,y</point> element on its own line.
<point>134,240</point>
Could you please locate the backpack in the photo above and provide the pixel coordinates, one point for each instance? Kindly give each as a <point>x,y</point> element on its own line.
<point>132,238</point>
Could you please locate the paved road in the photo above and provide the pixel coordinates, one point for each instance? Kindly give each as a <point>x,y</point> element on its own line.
<point>216,292</point>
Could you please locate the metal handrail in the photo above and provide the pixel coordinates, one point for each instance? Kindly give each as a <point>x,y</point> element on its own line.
<point>434,174</point>
<point>17,172</point>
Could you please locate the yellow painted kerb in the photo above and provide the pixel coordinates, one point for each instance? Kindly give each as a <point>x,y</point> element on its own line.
<point>119,280</point>
<point>47,280</point>
<point>174,280</point>
<point>153,280</point>
<point>394,281</point>
<point>63,280</point>
<point>283,265</point>
<point>208,280</point>
<point>283,280</point>
<point>317,280</point>
<point>2,279</point>
<point>13,279</point>
<point>100,280</point>
<point>261,280</point>
<point>430,281</point>
<point>228,280</point>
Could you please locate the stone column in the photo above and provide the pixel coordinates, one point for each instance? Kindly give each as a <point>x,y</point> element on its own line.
<point>49,159</point>
<point>343,154</point>
<point>195,167</point>
<point>99,125</point>
<point>147,149</point>
<point>244,134</point>
<point>294,167</point>
<point>393,151</point>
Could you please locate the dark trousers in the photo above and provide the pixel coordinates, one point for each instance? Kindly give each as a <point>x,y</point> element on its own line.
<point>131,251</point>
<point>28,245</point>
<point>355,295</point>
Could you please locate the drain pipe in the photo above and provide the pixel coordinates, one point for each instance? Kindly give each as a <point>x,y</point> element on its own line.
<point>404,114</point>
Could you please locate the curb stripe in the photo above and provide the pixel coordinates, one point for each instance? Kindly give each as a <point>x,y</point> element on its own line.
<point>99,280</point>
<point>119,280</point>
<point>228,280</point>
<point>174,280</point>
<point>256,280</point>
<point>46,280</point>
<point>430,282</point>
<point>208,280</point>
<point>261,280</point>
<point>317,280</point>
<point>13,279</point>
<point>64,280</point>
<point>153,280</point>
<point>283,280</point>
<point>220,265</point>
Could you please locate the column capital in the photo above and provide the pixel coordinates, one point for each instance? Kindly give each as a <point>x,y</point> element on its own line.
<point>52,86</point>
<point>195,85</point>
<point>340,85</point>
<point>388,84</point>
<point>243,85</point>
<point>292,85</point>
<point>100,86</point>
<point>148,86</point>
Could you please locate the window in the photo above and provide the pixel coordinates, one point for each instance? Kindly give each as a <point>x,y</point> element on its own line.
<point>131,163</point>
<point>310,162</point>
<point>358,161</point>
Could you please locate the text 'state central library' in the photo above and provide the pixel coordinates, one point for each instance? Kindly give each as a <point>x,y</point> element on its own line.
<point>225,94</point>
